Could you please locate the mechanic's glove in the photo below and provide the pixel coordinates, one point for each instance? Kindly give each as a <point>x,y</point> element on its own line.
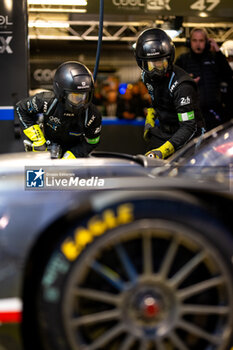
<point>162,152</point>
<point>35,134</point>
<point>149,123</point>
<point>68,155</point>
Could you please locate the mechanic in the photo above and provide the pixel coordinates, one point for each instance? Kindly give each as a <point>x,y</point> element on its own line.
<point>227,50</point>
<point>173,93</point>
<point>208,67</point>
<point>70,119</point>
<point>227,86</point>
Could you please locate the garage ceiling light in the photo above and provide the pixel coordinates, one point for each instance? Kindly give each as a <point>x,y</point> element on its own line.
<point>58,2</point>
<point>57,10</point>
<point>49,24</point>
<point>203,14</point>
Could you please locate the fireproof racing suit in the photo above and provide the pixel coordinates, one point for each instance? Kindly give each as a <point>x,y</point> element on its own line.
<point>176,107</point>
<point>75,132</point>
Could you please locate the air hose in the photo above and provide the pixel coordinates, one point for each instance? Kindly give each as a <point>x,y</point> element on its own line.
<point>101,20</point>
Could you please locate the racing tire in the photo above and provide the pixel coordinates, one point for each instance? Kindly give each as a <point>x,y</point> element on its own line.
<point>142,274</point>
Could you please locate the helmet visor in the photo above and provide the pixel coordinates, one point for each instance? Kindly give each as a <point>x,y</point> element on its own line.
<point>159,66</point>
<point>77,98</point>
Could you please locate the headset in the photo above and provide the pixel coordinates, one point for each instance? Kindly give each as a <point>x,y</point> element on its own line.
<point>203,30</point>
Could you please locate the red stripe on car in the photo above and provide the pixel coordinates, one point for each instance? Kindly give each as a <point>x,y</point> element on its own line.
<point>11,317</point>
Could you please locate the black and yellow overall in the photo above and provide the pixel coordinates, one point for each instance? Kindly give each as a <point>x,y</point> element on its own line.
<point>70,119</point>
<point>77,133</point>
<point>174,98</point>
<point>175,106</point>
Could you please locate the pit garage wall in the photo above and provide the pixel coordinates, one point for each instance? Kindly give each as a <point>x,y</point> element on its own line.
<point>13,69</point>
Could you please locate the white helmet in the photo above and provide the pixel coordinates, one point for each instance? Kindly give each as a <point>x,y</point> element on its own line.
<point>227,48</point>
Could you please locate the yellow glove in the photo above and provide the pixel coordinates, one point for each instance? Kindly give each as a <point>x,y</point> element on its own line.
<point>149,123</point>
<point>162,152</point>
<point>35,134</point>
<point>68,155</point>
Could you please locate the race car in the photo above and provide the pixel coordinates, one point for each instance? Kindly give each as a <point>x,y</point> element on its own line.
<point>118,252</point>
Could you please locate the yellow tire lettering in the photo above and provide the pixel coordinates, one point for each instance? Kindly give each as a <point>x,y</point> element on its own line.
<point>96,226</point>
<point>82,237</point>
<point>110,219</point>
<point>125,214</point>
<point>70,249</point>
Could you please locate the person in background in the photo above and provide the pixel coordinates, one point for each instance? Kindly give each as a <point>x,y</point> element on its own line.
<point>138,100</point>
<point>145,96</point>
<point>173,95</point>
<point>227,86</point>
<point>127,109</point>
<point>227,50</point>
<point>110,103</point>
<point>97,99</point>
<point>69,117</point>
<point>207,65</point>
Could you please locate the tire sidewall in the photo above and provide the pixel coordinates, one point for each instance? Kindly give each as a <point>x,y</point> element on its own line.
<point>58,269</point>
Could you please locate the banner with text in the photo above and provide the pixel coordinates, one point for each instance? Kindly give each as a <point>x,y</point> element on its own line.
<point>13,67</point>
<point>213,8</point>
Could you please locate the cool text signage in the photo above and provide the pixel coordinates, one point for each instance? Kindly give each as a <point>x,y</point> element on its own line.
<point>6,34</point>
<point>13,67</point>
<point>215,8</point>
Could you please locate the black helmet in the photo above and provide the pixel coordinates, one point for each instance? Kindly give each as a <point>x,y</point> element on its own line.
<point>154,52</point>
<point>73,82</point>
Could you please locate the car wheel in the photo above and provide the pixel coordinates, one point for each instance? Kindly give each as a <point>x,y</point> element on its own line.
<point>151,274</point>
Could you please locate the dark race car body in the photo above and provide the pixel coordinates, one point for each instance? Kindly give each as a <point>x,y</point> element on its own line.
<point>132,253</point>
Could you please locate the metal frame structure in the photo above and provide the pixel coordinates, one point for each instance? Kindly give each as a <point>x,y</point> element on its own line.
<point>119,31</point>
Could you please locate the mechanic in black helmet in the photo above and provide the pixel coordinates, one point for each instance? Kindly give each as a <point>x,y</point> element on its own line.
<point>173,93</point>
<point>70,118</point>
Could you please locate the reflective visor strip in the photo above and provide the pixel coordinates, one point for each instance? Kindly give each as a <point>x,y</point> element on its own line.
<point>77,98</point>
<point>93,141</point>
<point>10,310</point>
<point>183,117</point>
<point>160,64</point>
<point>151,66</point>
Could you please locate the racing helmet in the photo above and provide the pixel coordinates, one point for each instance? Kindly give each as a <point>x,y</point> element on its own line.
<point>73,83</point>
<point>155,52</point>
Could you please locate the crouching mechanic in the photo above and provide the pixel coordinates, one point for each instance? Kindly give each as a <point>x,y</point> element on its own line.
<point>69,117</point>
<point>173,94</point>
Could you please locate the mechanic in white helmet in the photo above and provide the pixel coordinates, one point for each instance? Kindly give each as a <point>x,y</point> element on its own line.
<point>227,50</point>
<point>227,87</point>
